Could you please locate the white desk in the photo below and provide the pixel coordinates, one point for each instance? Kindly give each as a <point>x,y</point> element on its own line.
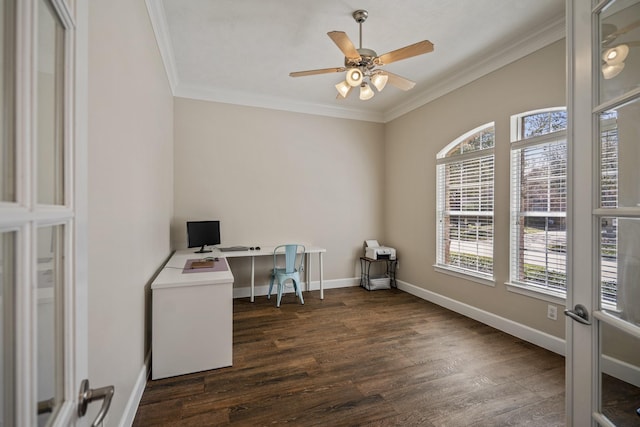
<point>268,251</point>
<point>192,317</point>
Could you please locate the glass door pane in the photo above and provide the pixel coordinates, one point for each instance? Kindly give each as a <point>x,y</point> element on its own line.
<point>620,387</point>
<point>620,188</point>
<point>7,95</point>
<point>49,300</point>
<point>7,322</point>
<point>620,156</point>
<point>619,49</point>
<point>50,101</point>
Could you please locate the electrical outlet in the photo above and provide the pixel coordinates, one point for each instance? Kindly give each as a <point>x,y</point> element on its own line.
<point>552,312</point>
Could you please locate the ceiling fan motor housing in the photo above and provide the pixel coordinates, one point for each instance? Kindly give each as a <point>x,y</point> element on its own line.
<point>367,59</point>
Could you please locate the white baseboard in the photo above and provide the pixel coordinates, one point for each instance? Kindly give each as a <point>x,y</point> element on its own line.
<point>534,336</point>
<point>621,370</point>
<point>130,410</point>
<point>245,291</point>
<point>611,366</point>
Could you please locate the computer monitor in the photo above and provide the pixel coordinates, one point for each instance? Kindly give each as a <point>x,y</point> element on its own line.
<point>202,233</point>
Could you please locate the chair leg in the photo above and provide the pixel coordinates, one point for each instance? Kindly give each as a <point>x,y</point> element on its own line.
<point>270,287</point>
<point>280,286</point>
<point>298,289</point>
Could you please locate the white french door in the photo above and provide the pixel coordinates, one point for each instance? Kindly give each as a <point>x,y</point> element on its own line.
<point>603,339</point>
<point>43,289</point>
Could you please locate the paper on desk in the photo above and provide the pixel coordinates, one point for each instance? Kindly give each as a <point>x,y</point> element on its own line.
<point>189,266</point>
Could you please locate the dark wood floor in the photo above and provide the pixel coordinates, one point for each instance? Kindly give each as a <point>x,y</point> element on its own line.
<point>381,358</point>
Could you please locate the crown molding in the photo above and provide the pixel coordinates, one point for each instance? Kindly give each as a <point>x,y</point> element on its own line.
<point>161,31</point>
<point>250,99</point>
<point>537,40</point>
<point>543,37</point>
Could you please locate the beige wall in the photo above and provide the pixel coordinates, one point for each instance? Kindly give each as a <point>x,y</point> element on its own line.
<point>130,189</point>
<point>275,177</point>
<point>411,144</point>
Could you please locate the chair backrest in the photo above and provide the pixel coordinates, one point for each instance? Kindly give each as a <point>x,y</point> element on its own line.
<point>291,251</point>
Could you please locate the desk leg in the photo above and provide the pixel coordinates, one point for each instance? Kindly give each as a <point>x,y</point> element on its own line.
<point>307,261</point>
<point>253,268</point>
<point>321,274</point>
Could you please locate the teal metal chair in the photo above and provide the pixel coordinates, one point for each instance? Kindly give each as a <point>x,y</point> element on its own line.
<point>294,264</point>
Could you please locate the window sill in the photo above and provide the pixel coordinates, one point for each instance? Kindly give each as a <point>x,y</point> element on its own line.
<point>483,280</point>
<point>610,308</point>
<point>555,297</point>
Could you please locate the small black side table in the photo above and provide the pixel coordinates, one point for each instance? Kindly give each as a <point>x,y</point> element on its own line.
<point>370,282</point>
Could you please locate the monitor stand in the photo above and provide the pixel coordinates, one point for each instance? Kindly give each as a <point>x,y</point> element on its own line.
<point>202,250</point>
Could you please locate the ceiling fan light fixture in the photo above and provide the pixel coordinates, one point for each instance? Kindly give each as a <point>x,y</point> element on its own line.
<point>610,71</point>
<point>366,92</point>
<point>343,88</point>
<point>354,77</point>
<point>379,80</point>
<point>616,55</point>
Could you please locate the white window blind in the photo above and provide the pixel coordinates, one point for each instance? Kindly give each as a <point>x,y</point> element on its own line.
<point>608,165</point>
<point>465,179</point>
<point>539,201</point>
<point>609,200</point>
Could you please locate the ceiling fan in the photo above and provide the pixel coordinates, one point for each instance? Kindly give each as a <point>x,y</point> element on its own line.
<point>613,56</point>
<point>361,64</point>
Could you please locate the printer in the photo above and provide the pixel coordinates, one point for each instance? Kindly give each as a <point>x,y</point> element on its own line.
<point>373,250</point>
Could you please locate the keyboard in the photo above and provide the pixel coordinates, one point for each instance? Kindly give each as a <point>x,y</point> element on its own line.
<point>234,249</point>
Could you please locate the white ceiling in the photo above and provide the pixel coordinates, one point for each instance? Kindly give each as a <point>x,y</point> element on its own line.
<point>241,51</point>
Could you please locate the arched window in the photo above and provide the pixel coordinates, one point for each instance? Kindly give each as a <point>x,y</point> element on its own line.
<point>539,200</point>
<point>465,169</point>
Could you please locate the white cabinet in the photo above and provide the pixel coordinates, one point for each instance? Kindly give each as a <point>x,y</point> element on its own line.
<point>192,317</point>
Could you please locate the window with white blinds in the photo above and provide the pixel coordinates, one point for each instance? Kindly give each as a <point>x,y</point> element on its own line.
<point>465,178</point>
<point>539,200</point>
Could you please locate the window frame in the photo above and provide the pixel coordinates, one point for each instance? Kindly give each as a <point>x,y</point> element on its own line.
<point>519,142</point>
<point>442,161</point>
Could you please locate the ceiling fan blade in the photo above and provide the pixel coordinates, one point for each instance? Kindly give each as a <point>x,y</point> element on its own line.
<point>611,37</point>
<point>345,44</point>
<point>415,49</point>
<point>398,81</point>
<point>313,72</point>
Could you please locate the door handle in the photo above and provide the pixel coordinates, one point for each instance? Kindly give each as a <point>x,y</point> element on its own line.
<point>88,395</point>
<point>46,406</point>
<point>579,314</point>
